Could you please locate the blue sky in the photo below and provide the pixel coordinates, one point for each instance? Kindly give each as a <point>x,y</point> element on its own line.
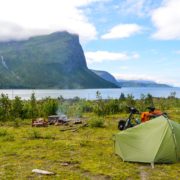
<point>157,58</point>
<point>131,39</point>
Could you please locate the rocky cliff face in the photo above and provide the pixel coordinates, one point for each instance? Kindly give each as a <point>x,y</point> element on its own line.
<point>49,61</point>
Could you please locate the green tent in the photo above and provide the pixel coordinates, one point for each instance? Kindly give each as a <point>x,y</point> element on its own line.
<point>157,140</point>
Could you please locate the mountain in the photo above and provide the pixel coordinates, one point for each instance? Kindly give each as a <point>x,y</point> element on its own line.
<point>140,83</point>
<point>128,83</point>
<point>49,61</point>
<point>107,76</point>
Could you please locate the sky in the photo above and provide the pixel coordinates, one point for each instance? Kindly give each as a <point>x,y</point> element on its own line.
<point>131,39</point>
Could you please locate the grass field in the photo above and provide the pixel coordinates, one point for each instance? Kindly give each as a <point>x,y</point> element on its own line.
<point>81,153</point>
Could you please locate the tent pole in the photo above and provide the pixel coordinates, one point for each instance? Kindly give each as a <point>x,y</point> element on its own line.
<point>113,138</point>
<point>152,165</point>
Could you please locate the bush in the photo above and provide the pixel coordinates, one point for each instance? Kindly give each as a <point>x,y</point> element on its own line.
<point>17,107</point>
<point>5,108</point>
<point>17,122</point>
<point>9,137</point>
<point>3,133</point>
<point>49,107</point>
<point>5,136</point>
<point>96,122</point>
<point>75,110</point>
<point>49,136</point>
<point>35,134</point>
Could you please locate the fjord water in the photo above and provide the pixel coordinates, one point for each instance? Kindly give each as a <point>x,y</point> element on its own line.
<point>90,93</point>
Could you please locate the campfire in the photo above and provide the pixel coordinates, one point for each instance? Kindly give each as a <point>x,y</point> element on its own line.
<point>57,119</point>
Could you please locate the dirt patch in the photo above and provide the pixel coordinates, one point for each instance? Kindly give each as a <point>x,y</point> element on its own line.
<point>87,174</point>
<point>73,166</point>
<point>143,173</point>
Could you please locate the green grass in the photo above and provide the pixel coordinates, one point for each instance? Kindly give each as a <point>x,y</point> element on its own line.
<point>88,152</point>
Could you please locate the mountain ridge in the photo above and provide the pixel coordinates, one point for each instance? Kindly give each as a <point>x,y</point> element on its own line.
<point>128,83</point>
<point>48,61</point>
<point>141,83</point>
<point>107,76</point>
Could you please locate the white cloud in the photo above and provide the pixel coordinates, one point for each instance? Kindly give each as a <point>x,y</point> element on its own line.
<point>177,52</point>
<point>100,56</point>
<point>122,31</point>
<point>140,8</point>
<point>167,20</point>
<point>133,7</point>
<point>21,19</point>
<point>132,76</point>
<point>135,56</point>
<point>124,67</point>
<point>158,79</point>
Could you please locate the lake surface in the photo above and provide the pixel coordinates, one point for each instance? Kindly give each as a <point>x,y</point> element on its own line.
<point>91,93</point>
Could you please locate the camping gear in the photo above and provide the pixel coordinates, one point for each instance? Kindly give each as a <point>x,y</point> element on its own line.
<point>39,122</point>
<point>152,113</point>
<point>145,116</point>
<point>124,124</point>
<point>155,141</point>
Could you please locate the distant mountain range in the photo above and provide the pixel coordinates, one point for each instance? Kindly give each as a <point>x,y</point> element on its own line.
<point>140,83</point>
<point>49,61</point>
<point>128,83</point>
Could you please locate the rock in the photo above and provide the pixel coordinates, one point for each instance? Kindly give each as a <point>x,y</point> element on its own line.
<point>64,164</point>
<point>39,171</point>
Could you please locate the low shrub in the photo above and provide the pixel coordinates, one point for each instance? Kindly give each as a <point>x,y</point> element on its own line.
<point>96,122</point>
<point>3,133</point>
<point>5,136</point>
<point>49,136</point>
<point>84,143</point>
<point>9,137</point>
<point>17,122</point>
<point>35,134</point>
